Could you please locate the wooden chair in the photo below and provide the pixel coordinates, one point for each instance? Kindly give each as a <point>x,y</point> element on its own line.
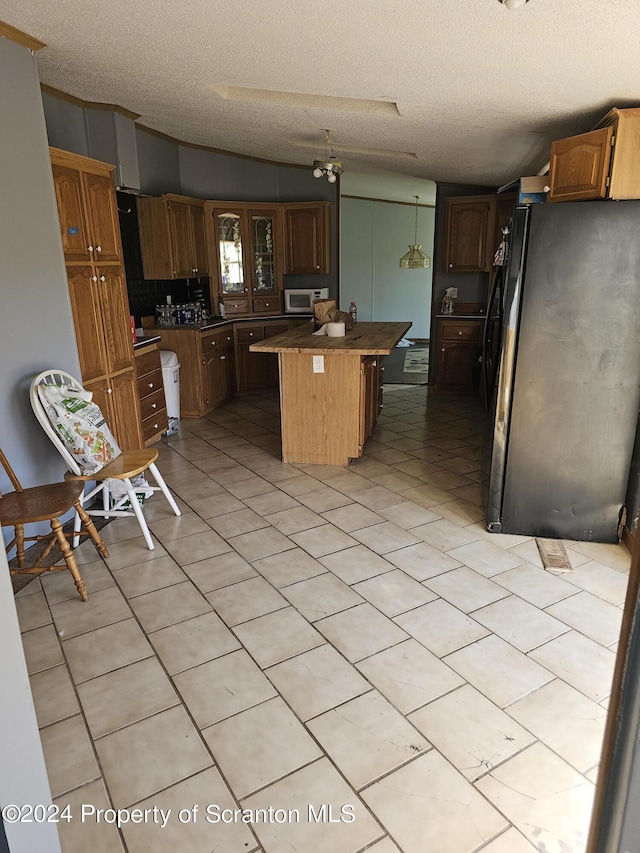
<point>45,503</point>
<point>128,464</point>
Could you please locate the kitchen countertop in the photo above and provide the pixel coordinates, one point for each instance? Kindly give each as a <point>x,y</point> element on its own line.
<point>363,339</point>
<point>460,316</point>
<point>146,341</point>
<point>218,322</point>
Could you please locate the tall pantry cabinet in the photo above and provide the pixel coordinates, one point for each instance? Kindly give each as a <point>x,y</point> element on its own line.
<point>90,232</point>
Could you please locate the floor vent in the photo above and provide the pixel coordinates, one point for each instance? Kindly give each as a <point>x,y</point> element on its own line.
<point>554,555</point>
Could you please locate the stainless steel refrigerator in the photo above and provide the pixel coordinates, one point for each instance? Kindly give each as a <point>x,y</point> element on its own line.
<point>562,371</point>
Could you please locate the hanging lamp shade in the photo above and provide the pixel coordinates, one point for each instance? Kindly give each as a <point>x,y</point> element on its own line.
<point>415,258</point>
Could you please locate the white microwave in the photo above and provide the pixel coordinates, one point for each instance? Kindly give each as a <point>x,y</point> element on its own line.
<point>301,301</point>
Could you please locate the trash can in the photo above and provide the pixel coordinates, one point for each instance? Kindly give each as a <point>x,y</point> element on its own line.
<point>171,382</point>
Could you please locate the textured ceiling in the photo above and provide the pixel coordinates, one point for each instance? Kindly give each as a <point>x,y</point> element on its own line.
<point>474,91</point>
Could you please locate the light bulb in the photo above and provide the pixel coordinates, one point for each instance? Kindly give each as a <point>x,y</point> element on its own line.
<point>331,177</point>
<point>317,173</point>
<point>513,4</point>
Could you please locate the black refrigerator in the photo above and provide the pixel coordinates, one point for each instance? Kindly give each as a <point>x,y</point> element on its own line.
<point>562,371</point>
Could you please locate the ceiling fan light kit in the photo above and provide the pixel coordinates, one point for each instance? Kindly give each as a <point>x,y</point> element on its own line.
<point>513,4</point>
<point>330,166</point>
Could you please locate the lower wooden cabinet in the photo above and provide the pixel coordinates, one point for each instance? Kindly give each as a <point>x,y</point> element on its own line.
<point>370,395</point>
<point>218,374</point>
<point>459,351</point>
<point>153,408</point>
<point>117,398</point>
<point>256,371</point>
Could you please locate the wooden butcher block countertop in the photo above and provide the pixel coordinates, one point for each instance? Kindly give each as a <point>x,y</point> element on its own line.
<point>363,339</point>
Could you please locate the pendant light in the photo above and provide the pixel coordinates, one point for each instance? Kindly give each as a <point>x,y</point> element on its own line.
<point>415,259</point>
<point>329,166</point>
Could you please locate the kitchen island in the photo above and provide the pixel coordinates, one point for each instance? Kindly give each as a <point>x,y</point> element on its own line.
<point>330,389</point>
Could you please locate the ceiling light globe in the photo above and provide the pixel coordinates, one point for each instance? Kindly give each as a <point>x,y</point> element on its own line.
<point>331,178</point>
<point>513,4</point>
<point>317,173</point>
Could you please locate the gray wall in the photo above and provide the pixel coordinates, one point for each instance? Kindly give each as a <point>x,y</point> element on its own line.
<point>159,164</point>
<point>36,332</point>
<point>65,125</point>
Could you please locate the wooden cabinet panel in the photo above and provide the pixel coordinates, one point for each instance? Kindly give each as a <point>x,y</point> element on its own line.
<point>181,240</point>
<point>150,390</point>
<point>199,248</point>
<point>469,230</point>
<point>126,410</point>
<point>459,348</point>
<point>115,313</point>
<point>307,238</point>
<point>87,319</point>
<point>172,240</point>
<point>579,166</point>
<point>73,225</point>
<point>104,229</point>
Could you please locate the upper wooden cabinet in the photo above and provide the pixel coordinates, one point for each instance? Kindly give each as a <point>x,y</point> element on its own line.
<point>470,232</point>
<point>604,163</point>
<point>307,237</point>
<point>90,232</point>
<point>172,237</point>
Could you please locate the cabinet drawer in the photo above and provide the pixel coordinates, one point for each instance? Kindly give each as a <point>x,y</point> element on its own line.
<point>154,425</point>
<point>250,334</point>
<point>461,331</point>
<point>236,306</point>
<point>266,304</point>
<point>153,404</point>
<point>147,361</point>
<point>217,342</point>
<point>150,383</point>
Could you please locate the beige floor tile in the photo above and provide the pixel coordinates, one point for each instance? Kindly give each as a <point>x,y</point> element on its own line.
<point>351,517</point>
<point>323,540</point>
<point>580,661</point>
<point>220,571</point>
<point>360,632</point>
<point>348,482</point>
<point>75,616</point>
<point>233,473</point>
<point>356,564</point>
<point>214,505</point>
<point>387,456</point>
<point>318,783</point>
<point>222,687</point>
<point>565,720</point>
<point>416,468</point>
<point>545,798</point>
<point>259,746</point>
<point>105,649</point>
<point>245,600</point>
<point>149,576</point>
<point>426,495</point>
<point>377,497</point>
<point>200,546</point>
<point>131,552</point>
<point>177,527</point>
<point>428,805</point>
<point>422,561</point>
<point>133,770</point>
<point>193,642</point>
<point>503,540</point>
<point>59,586</point>
<point>41,649</point>
<point>320,500</point>
<point>300,485</point>
<point>535,585</point>
<point>316,681</point>
<point>271,502</point>
<point>615,556</point>
<point>78,835</point>
<point>289,567</point>
<point>32,611</point>
<point>440,627</point>
<point>498,670</point>
<point>367,738</point>
<point>486,558</point>
<point>385,537</point>
<point>199,791</point>
<point>261,543</point>
<point>600,580</point>
<point>510,841</point>
<point>321,596</point>
<point>247,489</point>
<point>409,675</point>
<point>276,636</point>
<point>444,535</point>
<point>125,696</point>
<point>386,845</point>
<point>68,755</point>
<point>591,616</point>
<point>470,731</point>
<point>519,623</point>
<point>394,592</point>
<point>294,520</point>
<point>53,695</point>
<point>466,589</point>
<point>408,514</point>
<point>167,606</point>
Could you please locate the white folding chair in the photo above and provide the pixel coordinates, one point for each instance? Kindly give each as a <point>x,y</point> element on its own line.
<point>128,464</point>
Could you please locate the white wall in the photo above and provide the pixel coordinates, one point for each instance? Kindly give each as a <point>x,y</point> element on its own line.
<point>374,234</point>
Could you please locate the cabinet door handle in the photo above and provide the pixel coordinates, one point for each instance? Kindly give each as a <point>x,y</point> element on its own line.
<point>266,304</point>
<point>94,278</point>
<point>443,349</point>
<point>155,426</point>
<point>450,266</point>
<point>317,266</point>
<point>250,334</point>
<point>89,248</point>
<point>459,333</point>
<point>222,357</point>
<point>103,278</point>
<point>154,405</point>
<point>151,385</point>
<point>109,390</point>
<point>98,248</point>
<point>228,337</point>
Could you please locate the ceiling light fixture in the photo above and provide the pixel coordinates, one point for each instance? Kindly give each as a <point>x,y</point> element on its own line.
<point>513,4</point>
<point>329,166</point>
<point>415,258</point>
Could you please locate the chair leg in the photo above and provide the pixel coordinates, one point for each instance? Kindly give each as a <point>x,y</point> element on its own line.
<point>19,528</point>
<point>90,527</point>
<point>135,506</point>
<point>163,486</point>
<point>69,559</point>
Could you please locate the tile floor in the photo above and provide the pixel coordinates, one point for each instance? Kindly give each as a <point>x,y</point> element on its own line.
<point>347,650</point>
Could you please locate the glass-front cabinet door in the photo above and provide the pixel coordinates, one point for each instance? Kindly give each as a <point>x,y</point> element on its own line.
<point>262,226</point>
<point>229,233</point>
